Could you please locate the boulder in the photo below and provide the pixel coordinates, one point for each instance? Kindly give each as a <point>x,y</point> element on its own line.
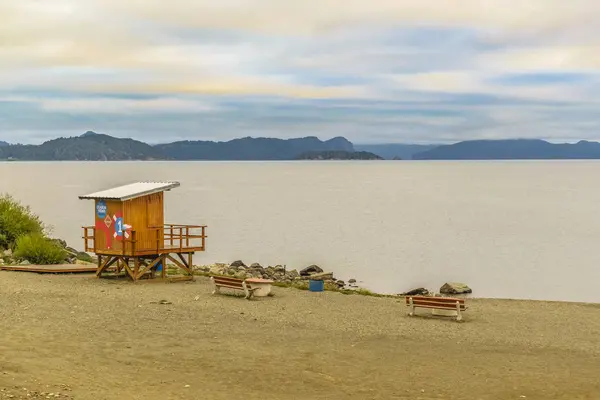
<point>293,274</point>
<point>240,275</point>
<point>237,264</point>
<point>72,251</point>
<point>280,268</point>
<point>216,270</point>
<point>352,281</point>
<point>323,276</point>
<point>256,265</point>
<point>416,292</point>
<point>84,257</point>
<point>340,283</point>
<point>313,269</point>
<point>60,242</point>
<point>455,288</point>
<point>7,253</point>
<point>25,262</point>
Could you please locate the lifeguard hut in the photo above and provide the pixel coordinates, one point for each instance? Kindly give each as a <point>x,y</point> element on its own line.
<point>130,233</point>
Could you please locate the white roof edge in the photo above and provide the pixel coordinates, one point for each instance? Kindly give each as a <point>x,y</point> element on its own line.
<point>131,191</point>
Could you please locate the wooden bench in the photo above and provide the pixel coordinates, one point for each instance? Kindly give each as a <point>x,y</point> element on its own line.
<point>232,283</point>
<point>438,303</point>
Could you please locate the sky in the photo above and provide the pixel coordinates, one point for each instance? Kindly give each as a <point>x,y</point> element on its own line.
<point>373,71</point>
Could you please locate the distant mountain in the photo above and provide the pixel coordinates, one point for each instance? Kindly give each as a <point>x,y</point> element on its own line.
<point>251,148</point>
<point>338,155</point>
<point>96,147</point>
<point>396,151</point>
<point>4,143</point>
<point>512,149</point>
<point>93,146</point>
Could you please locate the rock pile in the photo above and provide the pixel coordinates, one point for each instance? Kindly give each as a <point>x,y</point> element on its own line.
<point>447,288</point>
<point>277,273</point>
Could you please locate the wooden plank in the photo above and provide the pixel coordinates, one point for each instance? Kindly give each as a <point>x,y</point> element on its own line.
<point>218,278</point>
<point>129,271</point>
<point>50,269</point>
<point>180,265</point>
<point>462,308</point>
<point>422,301</point>
<point>434,304</point>
<point>183,261</point>
<point>434,299</point>
<point>231,287</point>
<point>109,261</point>
<point>149,266</point>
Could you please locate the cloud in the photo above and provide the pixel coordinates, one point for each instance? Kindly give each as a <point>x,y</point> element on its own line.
<point>377,70</point>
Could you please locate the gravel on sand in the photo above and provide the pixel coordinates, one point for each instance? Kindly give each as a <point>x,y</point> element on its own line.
<point>88,338</point>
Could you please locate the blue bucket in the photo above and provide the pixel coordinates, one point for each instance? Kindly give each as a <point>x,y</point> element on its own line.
<point>159,267</point>
<point>316,286</point>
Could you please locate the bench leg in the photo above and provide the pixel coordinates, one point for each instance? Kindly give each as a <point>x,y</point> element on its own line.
<point>217,288</point>
<point>458,312</point>
<point>412,307</point>
<point>248,292</point>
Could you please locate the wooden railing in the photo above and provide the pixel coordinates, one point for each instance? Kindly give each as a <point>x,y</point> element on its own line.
<point>175,238</point>
<point>87,237</point>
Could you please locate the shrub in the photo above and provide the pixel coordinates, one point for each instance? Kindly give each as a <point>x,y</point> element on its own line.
<point>37,249</point>
<point>16,220</point>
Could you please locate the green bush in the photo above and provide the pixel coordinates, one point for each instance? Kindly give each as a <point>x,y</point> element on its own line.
<point>16,220</point>
<point>37,249</point>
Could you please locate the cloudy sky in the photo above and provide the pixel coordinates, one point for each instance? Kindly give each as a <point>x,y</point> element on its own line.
<point>374,71</point>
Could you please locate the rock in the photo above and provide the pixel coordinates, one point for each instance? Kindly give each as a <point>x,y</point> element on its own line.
<point>313,269</point>
<point>8,253</point>
<point>25,262</point>
<point>241,275</point>
<point>72,251</point>
<point>323,276</point>
<point>293,274</point>
<point>416,292</point>
<point>215,270</point>
<point>256,269</point>
<point>352,281</point>
<point>84,257</point>
<point>60,242</point>
<point>279,268</point>
<point>340,283</point>
<point>237,264</point>
<point>455,288</point>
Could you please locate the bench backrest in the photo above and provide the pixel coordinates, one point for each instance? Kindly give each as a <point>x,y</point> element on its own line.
<point>436,302</point>
<point>227,281</point>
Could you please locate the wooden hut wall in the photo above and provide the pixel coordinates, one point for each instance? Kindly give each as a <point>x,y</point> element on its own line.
<point>108,215</point>
<point>144,215</point>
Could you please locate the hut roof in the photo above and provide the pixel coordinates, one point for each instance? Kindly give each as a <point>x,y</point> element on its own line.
<point>131,191</point>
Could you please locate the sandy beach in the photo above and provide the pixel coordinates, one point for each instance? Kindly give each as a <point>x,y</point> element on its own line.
<point>83,338</point>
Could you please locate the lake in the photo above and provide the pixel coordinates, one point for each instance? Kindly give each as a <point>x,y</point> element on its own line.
<point>509,229</point>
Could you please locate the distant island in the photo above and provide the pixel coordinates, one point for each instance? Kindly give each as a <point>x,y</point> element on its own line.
<point>512,149</point>
<point>338,155</point>
<point>93,146</point>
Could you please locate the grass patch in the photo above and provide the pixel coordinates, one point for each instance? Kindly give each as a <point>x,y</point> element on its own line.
<point>16,220</point>
<point>37,249</point>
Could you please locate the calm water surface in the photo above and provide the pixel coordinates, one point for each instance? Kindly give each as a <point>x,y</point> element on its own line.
<point>527,230</point>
